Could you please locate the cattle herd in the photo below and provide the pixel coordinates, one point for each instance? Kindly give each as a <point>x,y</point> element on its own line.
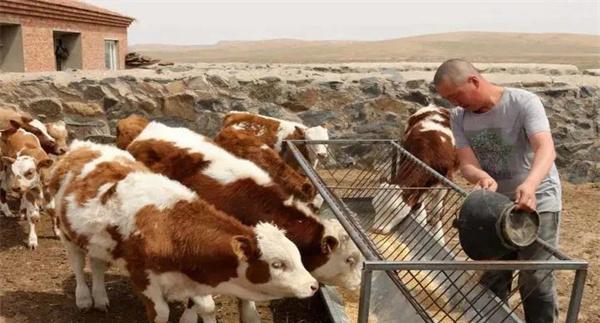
<point>184,215</point>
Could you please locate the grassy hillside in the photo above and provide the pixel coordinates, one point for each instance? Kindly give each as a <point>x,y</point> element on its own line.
<point>580,50</point>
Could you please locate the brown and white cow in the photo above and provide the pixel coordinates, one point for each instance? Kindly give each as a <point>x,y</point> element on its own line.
<point>52,135</point>
<point>245,145</point>
<point>243,190</point>
<point>58,131</point>
<point>428,137</point>
<point>173,245</point>
<point>273,132</point>
<point>22,163</point>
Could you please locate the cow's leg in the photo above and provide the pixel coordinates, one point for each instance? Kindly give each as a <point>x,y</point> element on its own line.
<point>32,239</point>
<point>199,305</point>
<point>98,286</point>
<point>83,298</point>
<point>318,201</point>
<point>437,202</point>
<point>157,307</point>
<point>51,211</point>
<point>190,314</point>
<point>55,228</point>
<point>390,217</point>
<point>248,312</point>
<point>3,205</point>
<point>31,211</point>
<point>421,215</point>
<point>438,215</point>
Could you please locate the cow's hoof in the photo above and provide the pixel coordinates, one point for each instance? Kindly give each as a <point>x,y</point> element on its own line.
<point>32,244</point>
<point>83,299</point>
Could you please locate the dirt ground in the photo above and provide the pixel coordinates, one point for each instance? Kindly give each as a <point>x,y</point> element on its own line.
<point>38,286</point>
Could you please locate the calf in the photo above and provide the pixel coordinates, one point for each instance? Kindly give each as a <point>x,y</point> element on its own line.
<point>58,131</point>
<point>273,132</point>
<point>241,189</point>
<point>22,163</point>
<point>173,245</point>
<point>52,136</point>
<point>429,138</point>
<point>246,145</point>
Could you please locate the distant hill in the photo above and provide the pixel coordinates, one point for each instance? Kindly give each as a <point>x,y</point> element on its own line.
<point>577,49</point>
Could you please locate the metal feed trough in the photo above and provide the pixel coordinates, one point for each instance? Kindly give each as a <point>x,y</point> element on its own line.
<point>418,272</point>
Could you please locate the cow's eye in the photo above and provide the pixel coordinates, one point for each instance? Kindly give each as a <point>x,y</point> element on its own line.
<point>29,174</point>
<point>351,261</point>
<point>278,265</point>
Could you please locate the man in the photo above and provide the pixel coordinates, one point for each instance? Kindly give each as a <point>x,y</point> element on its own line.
<point>61,53</point>
<point>504,144</point>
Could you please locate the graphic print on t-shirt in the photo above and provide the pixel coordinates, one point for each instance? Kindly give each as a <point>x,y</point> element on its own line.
<point>493,153</point>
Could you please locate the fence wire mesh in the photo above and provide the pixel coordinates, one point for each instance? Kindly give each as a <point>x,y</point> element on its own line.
<point>404,224</point>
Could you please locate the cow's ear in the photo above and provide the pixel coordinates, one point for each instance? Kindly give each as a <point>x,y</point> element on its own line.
<point>308,189</point>
<point>328,244</point>
<point>45,163</point>
<point>7,160</point>
<point>8,131</point>
<point>243,248</point>
<point>26,119</point>
<point>15,124</point>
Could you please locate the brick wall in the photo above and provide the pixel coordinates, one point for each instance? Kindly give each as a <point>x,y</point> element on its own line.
<point>38,43</point>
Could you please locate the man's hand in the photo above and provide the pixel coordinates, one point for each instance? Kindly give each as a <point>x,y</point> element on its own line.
<point>525,197</point>
<point>488,184</point>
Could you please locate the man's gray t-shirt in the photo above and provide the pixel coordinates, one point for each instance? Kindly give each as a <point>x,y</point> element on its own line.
<point>499,139</point>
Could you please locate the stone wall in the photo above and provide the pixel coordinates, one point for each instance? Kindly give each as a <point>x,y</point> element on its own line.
<point>353,101</point>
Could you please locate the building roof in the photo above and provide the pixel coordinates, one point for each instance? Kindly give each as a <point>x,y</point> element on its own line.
<point>69,10</point>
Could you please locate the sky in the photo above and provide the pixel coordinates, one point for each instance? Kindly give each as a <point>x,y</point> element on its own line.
<point>208,22</point>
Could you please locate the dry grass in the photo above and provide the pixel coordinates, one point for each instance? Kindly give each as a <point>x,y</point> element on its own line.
<point>576,49</point>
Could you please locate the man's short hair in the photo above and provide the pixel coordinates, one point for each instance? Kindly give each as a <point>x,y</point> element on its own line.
<point>455,70</point>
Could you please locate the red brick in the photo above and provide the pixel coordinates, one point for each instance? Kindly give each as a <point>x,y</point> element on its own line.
<point>37,30</point>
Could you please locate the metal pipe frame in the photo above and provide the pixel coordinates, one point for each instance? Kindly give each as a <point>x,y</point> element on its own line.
<point>374,262</point>
<point>477,265</point>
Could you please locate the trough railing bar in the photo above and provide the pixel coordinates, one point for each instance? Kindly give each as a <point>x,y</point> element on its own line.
<point>457,292</point>
<point>553,251</point>
<point>576,295</point>
<point>514,278</point>
<point>462,296</point>
<point>430,296</point>
<point>478,265</point>
<point>371,176</point>
<point>365,295</point>
<point>522,298</point>
<point>438,188</point>
<point>503,302</point>
<point>363,176</point>
<point>437,175</point>
<point>413,234</point>
<point>339,141</point>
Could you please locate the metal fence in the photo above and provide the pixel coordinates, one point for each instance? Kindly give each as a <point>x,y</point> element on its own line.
<point>416,245</point>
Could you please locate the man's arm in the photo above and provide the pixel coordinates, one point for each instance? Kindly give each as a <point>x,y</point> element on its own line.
<point>543,159</point>
<point>471,170</point>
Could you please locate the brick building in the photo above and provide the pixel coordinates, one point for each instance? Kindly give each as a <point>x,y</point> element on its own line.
<point>50,35</point>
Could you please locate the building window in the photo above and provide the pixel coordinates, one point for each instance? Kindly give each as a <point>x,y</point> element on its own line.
<point>110,54</point>
<point>67,50</point>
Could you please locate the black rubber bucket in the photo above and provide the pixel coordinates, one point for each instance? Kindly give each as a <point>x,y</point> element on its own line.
<point>489,227</point>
